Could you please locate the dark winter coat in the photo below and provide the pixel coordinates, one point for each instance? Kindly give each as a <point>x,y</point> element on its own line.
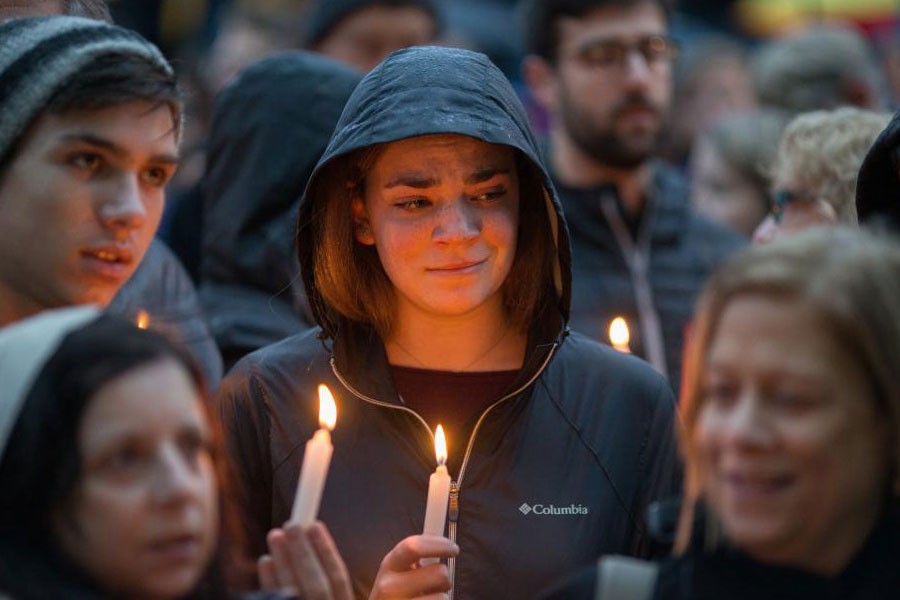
<point>878,185</point>
<point>556,472</point>
<point>161,287</point>
<point>269,128</point>
<point>727,573</point>
<point>648,277</point>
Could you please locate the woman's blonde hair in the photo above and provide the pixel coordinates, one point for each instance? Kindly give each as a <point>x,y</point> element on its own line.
<point>820,153</point>
<point>846,276</point>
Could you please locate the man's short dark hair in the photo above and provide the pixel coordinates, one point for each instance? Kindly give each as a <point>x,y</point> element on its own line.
<point>113,80</point>
<point>540,34</point>
<point>61,63</point>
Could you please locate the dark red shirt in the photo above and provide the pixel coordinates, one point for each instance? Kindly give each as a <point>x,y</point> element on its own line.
<point>453,399</point>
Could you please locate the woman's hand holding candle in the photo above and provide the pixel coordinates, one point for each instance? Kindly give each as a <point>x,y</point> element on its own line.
<point>305,563</point>
<point>400,575</point>
<point>316,458</point>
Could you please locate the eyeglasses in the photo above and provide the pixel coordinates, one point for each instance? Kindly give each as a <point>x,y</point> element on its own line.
<point>656,50</point>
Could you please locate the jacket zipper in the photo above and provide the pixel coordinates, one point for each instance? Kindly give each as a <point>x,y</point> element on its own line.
<point>453,507</point>
<point>637,257</point>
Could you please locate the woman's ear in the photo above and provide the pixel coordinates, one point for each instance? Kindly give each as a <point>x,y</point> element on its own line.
<point>361,229</point>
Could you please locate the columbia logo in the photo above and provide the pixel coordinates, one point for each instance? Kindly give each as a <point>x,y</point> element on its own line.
<point>550,509</point>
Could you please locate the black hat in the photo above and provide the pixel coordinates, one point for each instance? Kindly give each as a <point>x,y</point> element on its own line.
<point>324,15</point>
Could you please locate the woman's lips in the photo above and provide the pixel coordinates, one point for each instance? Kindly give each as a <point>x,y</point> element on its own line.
<point>460,268</point>
<point>750,489</point>
<point>177,548</point>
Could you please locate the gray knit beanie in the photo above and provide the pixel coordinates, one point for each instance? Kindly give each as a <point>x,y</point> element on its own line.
<point>40,55</point>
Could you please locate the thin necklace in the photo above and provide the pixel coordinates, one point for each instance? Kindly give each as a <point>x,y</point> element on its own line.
<point>492,347</point>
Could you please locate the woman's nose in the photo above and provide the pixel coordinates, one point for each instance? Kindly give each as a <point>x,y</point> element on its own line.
<point>176,477</point>
<point>456,222</point>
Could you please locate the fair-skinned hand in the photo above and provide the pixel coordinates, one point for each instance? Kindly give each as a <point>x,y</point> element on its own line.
<point>401,577</point>
<point>305,563</point>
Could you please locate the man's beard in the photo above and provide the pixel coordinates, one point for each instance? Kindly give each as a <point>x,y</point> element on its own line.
<point>605,145</point>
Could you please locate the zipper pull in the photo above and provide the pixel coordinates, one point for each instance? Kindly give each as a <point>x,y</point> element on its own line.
<point>453,511</point>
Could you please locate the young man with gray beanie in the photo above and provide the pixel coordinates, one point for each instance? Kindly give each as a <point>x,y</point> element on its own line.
<point>160,286</point>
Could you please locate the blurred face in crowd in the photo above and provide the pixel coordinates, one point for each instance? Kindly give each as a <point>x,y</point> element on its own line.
<point>793,455</point>
<point>80,202</point>
<point>366,36</point>
<point>442,211</point>
<point>613,82</point>
<point>792,212</point>
<point>723,193</point>
<point>25,8</point>
<point>143,518</point>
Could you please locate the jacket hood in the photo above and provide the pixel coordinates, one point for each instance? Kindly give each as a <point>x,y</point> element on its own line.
<point>423,91</point>
<point>878,185</point>
<point>269,128</point>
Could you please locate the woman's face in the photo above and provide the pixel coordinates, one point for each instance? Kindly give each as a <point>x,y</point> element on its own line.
<point>722,193</point>
<point>442,212</point>
<point>143,518</point>
<point>793,457</point>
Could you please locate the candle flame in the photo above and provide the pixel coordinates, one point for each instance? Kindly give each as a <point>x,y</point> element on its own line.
<point>327,408</point>
<point>440,445</point>
<point>143,319</point>
<point>618,333</point>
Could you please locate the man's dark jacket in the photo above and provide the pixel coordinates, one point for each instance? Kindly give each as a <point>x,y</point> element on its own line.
<point>670,252</point>
<point>269,128</point>
<point>556,472</point>
<point>878,184</point>
<point>161,287</point>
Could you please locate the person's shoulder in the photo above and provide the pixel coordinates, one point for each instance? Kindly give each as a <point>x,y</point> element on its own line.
<point>600,369</point>
<point>280,365</point>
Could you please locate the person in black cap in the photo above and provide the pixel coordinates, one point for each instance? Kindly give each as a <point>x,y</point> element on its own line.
<point>878,184</point>
<point>362,33</point>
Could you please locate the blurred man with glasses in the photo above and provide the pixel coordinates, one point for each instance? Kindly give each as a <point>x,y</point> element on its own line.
<point>602,69</point>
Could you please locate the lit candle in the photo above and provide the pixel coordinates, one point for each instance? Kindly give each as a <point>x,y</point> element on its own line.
<point>438,493</point>
<point>619,336</point>
<point>316,458</point>
<point>143,319</point>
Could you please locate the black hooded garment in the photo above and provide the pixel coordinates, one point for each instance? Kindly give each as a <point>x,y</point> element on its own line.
<point>878,185</point>
<point>269,128</point>
<point>161,287</point>
<point>556,472</point>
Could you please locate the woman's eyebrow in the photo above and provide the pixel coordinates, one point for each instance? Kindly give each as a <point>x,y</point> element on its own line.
<point>486,174</point>
<point>413,180</point>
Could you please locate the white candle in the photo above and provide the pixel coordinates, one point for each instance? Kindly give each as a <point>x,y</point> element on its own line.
<point>316,458</point>
<point>438,493</point>
<point>619,335</point>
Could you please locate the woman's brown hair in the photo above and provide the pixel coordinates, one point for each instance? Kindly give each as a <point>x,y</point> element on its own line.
<point>349,276</point>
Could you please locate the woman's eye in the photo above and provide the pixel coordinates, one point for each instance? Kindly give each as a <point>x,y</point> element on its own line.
<point>721,395</point>
<point>412,203</point>
<point>792,400</point>
<point>125,459</point>
<point>490,195</point>
<point>194,448</point>
<point>85,161</point>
